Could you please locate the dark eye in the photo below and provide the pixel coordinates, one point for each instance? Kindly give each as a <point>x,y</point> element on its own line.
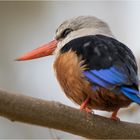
<point>66,32</point>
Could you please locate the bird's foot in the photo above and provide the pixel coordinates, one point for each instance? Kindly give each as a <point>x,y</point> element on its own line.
<point>83,106</point>
<point>115,118</point>
<point>88,110</point>
<point>114,115</point>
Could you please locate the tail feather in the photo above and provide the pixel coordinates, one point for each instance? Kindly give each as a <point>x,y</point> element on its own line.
<point>132,94</point>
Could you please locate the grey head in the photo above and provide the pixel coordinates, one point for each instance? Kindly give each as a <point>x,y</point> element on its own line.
<point>81,26</point>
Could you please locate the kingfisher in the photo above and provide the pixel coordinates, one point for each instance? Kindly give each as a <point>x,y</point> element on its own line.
<point>94,69</point>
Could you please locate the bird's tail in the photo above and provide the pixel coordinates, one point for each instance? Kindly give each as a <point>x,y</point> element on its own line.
<point>132,94</point>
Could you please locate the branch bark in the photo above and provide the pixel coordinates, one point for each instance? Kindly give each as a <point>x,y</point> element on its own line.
<point>17,107</point>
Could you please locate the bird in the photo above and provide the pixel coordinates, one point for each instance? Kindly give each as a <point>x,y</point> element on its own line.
<point>94,69</point>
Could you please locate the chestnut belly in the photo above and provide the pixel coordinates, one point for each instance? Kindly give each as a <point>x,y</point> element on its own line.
<point>69,71</point>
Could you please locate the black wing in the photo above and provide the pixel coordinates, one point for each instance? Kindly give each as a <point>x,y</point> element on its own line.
<point>110,64</point>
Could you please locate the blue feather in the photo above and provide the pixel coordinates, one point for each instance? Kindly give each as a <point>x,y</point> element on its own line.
<point>131,94</point>
<point>107,78</point>
<point>127,89</point>
<point>111,75</point>
<point>96,80</point>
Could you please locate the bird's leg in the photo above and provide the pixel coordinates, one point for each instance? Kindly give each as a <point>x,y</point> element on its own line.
<point>114,115</point>
<point>83,105</point>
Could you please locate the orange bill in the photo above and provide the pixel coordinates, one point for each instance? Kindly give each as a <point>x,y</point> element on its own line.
<point>44,50</point>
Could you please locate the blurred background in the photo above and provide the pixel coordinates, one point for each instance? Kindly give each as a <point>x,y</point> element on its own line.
<point>27,25</point>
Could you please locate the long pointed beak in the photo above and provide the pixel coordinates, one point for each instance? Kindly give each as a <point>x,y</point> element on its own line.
<point>44,50</point>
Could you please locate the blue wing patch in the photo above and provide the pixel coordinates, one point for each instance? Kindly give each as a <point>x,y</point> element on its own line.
<point>112,77</point>
<point>107,78</point>
<point>97,80</point>
<point>131,94</point>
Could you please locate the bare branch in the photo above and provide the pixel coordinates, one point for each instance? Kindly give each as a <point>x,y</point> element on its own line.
<point>51,114</point>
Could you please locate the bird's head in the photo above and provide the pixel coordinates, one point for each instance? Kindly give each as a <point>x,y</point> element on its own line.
<point>67,31</point>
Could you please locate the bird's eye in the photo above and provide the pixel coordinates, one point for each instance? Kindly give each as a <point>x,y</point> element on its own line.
<point>66,32</point>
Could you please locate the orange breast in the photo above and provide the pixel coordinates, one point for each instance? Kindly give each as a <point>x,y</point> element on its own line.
<point>69,70</point>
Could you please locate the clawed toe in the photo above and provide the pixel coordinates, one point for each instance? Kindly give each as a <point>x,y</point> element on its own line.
<point>115,118</point>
